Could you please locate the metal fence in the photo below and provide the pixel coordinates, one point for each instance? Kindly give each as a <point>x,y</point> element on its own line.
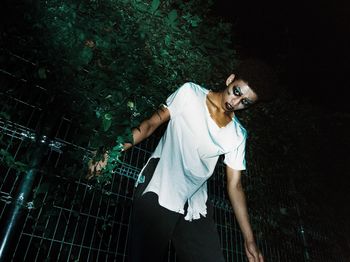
<point>67,218</point>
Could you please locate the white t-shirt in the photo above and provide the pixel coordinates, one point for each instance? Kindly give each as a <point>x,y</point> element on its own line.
<point>189,150</point>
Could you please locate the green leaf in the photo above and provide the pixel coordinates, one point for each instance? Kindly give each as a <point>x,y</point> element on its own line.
<point>142,7</point>
<point>42,73</point>
<point>195,21</point>
<point>154,6</point>
<point>81,36</point>
<point>172,16</point>
<point>20,166</point>
<point>98,113</point>
<point>167,40</point>
<point>106,122</point>
<point>108,116</point>
<point>4,115</point>
<point>86,55</point>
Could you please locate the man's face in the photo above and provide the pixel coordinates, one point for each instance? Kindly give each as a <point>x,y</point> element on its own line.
<point>237,95</point>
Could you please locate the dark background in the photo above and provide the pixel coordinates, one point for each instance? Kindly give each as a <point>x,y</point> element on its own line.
<point>310,39</point>
<point>310,42</point>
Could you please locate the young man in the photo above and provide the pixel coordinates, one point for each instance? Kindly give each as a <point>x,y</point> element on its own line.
<point>171,203</point>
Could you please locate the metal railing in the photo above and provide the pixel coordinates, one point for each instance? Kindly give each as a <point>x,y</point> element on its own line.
<point>65,217</point>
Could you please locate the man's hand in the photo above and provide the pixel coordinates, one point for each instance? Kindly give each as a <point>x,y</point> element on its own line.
<point>95,168</point>
<point>252,251</point>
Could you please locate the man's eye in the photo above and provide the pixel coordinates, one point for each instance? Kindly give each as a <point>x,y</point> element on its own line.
<point>236,91</point>
<point>245,102</point>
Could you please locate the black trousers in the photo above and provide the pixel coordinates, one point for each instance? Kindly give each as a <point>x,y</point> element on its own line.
<point>153,226</point>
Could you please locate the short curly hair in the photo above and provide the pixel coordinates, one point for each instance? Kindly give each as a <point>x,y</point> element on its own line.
<point>260,77</point>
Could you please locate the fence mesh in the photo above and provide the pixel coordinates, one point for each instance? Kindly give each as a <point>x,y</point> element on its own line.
<point>69,218</point>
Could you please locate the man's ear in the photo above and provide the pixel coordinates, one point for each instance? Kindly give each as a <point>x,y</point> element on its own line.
<point>230,79</point>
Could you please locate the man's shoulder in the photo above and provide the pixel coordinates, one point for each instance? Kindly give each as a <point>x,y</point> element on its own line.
<point>193,88</point>
<point>239,128</point>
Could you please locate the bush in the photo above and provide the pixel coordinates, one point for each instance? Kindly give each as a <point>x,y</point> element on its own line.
<point>119,59</point>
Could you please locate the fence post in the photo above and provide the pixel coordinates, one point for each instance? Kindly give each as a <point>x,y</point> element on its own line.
<point>48,116</point>
<point>9,232</point>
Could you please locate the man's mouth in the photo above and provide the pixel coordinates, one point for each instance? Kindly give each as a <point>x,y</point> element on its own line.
<point>229,106</point>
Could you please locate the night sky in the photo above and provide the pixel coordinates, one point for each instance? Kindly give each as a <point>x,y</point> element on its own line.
<point>310,41</point>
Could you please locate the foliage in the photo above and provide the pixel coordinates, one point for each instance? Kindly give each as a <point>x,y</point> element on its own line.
<point>120,59</point>
<point>5,156</point>
<point>116,61</point>
<point>111,63</point>
<point>9,161</point>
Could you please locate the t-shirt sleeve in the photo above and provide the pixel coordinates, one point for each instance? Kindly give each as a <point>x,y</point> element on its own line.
<point>177,100</point>
<point>236,158</point>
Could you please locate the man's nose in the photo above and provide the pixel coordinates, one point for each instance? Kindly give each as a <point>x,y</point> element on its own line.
<point>235,101</point>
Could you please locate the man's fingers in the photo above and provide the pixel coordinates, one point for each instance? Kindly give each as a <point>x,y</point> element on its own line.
<point>249,255</point>
<point>89,175</point>
<point>95,168</point>
<point>253,253</point>
<point>251,259</point>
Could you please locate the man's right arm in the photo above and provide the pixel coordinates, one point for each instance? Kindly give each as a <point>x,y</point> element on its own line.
<point>148,126</point>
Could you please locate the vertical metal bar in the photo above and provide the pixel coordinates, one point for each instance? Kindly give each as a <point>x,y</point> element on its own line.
<point>78,221</point>
<point>88,217</point>
<point>93,233</point>
<point>301,225</point>
<point>33,226</point>
<point>9,232</point>
<point>226,234</point>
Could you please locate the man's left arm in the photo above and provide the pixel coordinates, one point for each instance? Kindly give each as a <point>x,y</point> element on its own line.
<point>239,204</point>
